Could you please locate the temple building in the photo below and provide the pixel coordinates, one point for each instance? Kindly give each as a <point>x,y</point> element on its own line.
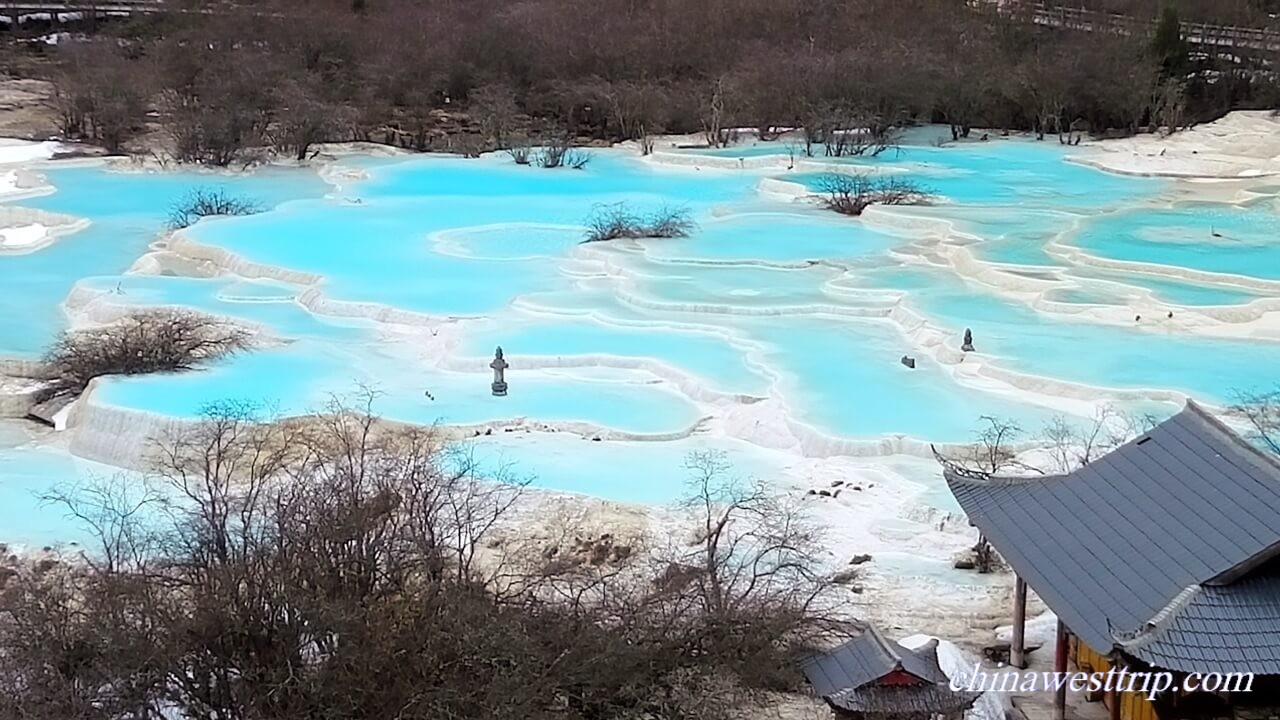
<point>1162,555</point>
<point>871,678</point>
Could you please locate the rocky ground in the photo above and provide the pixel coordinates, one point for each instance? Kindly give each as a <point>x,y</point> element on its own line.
<point>26,109</point>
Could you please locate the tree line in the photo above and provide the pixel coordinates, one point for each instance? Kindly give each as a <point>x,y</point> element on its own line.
<point>487,74</point>
<point>338,566</point>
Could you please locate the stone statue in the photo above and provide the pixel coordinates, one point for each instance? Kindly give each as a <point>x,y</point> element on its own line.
<point>968,341</point>
<point>499,367</point>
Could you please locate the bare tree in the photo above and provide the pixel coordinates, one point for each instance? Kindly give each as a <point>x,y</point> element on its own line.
<point>618,220</point>
<point>302,118</point>
<point>290,561</point>
<point>843,129</point>
<point>754,548</point>
<point>715,116</point>
<point>560,152</point>
<point>208,202</point>
<point>993,452</point>
<point>495,107</point>
<point>1261,411</point>
<point>521,152</point>
<point>1071,446</point>
<point>144,342</point>
<point>851,193</point>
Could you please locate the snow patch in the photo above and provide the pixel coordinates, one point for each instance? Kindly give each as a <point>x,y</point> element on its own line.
<point>1041,630</point>
<point>21,151</point>
<point>954,661</point>
<point>23,236</point>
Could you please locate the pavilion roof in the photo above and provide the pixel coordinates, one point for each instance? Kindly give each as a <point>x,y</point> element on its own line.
<point>1160,548</point>
<point>848,678</point>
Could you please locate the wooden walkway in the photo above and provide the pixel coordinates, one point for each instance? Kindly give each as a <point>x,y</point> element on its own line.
<point>71,9</point>
<point>1061,16</point>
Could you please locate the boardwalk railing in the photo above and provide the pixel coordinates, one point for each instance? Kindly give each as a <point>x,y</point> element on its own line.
<point>56,8</point>
<point>1061,16</point>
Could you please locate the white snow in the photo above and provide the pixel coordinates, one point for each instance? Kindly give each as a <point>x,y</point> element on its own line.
<point>23,236</point>
<point>956,662</point>
<point>1041,630</point>
<point>21,151</point>
<point>1244,143</point>
<point>60,417</point>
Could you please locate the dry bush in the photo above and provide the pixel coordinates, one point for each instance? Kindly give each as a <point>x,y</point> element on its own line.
<point>404,70</point>
<point>496,109</point>
<point>280,566</point>
<point>1261,412</point>
<point>843,130</point>
<point>208,202</point>
<point>520,153</point>
<point>560,153</point>
<point>100,94</point>
<point>617,221</point>
<point>851,193</point>
<point>148,341</point>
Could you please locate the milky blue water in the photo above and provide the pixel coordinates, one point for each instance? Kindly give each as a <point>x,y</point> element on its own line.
<point>1172,290</point>
<point>29,478</point>
<point>1199,236</point>
<point>127,211</point>
<point>765,299</point>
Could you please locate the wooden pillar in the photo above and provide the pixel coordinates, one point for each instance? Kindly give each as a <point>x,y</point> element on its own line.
<point>1060,666</point>
<point>1018,645</point>
<point>1113,704</point>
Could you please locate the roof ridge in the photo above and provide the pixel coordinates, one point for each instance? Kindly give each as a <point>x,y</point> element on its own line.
<point>888,647</point>
<point>1159,622</point>
<point>1268,460</point>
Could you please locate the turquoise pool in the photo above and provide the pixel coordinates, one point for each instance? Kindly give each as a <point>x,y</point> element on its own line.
<point>766,300</point>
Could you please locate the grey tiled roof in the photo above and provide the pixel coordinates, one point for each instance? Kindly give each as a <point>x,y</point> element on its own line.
<point>904,700</point>
<point>868,658</point>
<point>846,678</point>
<point>1120,548</point>
<point>1242,618</point>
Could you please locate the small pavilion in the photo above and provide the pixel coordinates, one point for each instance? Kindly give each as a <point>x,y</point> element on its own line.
<point>1162,555</point>
<point>871,678</point>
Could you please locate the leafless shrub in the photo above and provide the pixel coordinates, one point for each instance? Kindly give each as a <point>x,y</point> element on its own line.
<point>208,202</point>
<point>289,562</point>
<point>1070,446</point>
<point>496,109</point>
<point>851,193</point>
<point>1065,445</point>
<point>100,94</point>
<point>302,118</point>
<point>561,153</point>
<point>1261,411</point>
<point>617,221</point>
<point>216,129</point>
<point>985,558</point>
<point>845,131</point>
<point>144,342</point>
<point>994,450</point>
<point>520,153</point>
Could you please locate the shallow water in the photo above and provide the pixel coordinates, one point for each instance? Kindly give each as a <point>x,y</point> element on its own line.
<point>1198,236</point>
<point>127,211</point>
<point>765,300</point>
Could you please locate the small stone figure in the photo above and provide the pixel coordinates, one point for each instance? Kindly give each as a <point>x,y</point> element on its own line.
<point>499,366</point>
<point>909,361</point>
<point>968,341</point>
